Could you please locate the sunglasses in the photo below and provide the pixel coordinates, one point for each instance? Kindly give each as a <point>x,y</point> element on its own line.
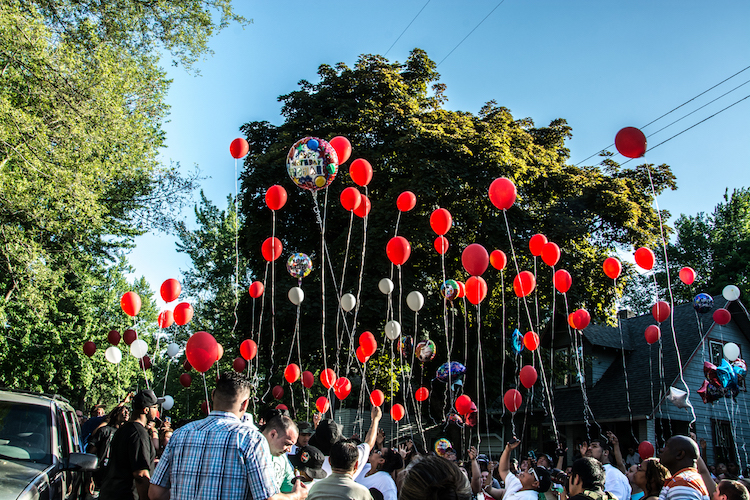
<point>533,473</point>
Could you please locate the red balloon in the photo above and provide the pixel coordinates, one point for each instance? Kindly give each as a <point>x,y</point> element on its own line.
<point>551,254</point>
<point>183,313</point>
<point>328,378</point>
<point>343,148</point>
<point>342,388</point>
<point>248,349</point>
<point>361,172</point>
<point>630,142</point>
<point>406,201</point>
<point>531,341</point>
<point>361,356</point>
<point>512,400</point>
<point>441,221</point>
<point>165,319</point>
<point>129,336</point>
<point>308,379</point>
<point>398,250</point>
<point>476,289</point>
<point>612,267</point>
<point>187,366</point>
<point>562,281</point>
<point>536,243</point>
<point>441,244</point>
<point>239,365</point>
<point>271,249</point>
<point>722,316</point>
<point>322,404</point>
<point>528,376</point>
<point>145,362</point>
<point>186,380</point>
<point>644,257</point>
<point>652,334</point>
<point>502,193</point>
<point>350,198</point>
<point>524,283</point>
<point>239,148</point>
<point>363,210</point>
<point>202,351</point>
<point>130,303</point>
<point>645,450</point>
<point>377,397</point>
<point>422,394</point>
<point>89,348</point>
<point>475,259</point>
<point>170,290</point>
<point>281,406</point>
<point>463,404</point>
<point>204,407</point>
<point>368,343</point>
<point>498,259</point>
<point>580,319</point>
<point>276,197</point>
<point>256,289</point>
<point>113,337</point>
<point>292,373</point>
<point>277,392</point>
<point>397,412</point>
<point>687,275</point>
<point>661,311</point>
<point>461,289</point>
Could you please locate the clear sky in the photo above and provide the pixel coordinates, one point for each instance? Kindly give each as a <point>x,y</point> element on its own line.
<point>599,64</point>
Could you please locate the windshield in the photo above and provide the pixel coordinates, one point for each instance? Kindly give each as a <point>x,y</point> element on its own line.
<point>25,432</point>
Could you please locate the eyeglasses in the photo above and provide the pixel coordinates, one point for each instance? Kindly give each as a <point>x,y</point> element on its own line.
<point>533,473</point>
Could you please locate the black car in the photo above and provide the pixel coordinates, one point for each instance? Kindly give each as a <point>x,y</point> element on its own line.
<point>40,448</point>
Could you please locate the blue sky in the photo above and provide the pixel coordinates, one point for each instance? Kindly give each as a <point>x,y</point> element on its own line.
<point>601,65</point>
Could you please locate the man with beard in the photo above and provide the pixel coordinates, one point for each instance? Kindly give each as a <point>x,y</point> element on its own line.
<point>132,453</point>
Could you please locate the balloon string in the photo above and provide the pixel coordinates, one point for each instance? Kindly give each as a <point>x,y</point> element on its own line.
<point>339,334</point>
<point>365,221</point>
<point>624,367</point>
<point>273,308</point>
<point>502,371</point>
<point>515,263</point>
<point>236,250</point>
<point>164,391</point>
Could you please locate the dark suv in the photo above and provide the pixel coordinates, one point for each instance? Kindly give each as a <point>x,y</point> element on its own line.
<point>40,449</point>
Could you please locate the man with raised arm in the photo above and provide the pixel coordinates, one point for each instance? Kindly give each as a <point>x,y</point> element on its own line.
<point>528,484</point>
<point>680,455</point>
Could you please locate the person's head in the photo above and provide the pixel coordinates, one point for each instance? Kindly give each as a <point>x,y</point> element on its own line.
<point>232,393</point>
<point>630,474</point>
<point>486,479</point>
<point>386,460</point>
<point>146,406</point>
<point>306,430</point>
<point>80,416</point>
<point>118,416</point>
<point>733,469</point>
<point>524,465</point>
<point>514,466</point>
<point>728,489</point>
<point>281,434</point>
<point>650,476</point>
<point>98,411</point>
<point>586,473</point>
<point>679,452</point>
<point>344,457</point>
<point>535,478</point>
<point>309,462</point>
<point>450,455</point>
<point>545,461</point>
<point>327,433</point>
<point>599,449</point>
<point>434,478</point>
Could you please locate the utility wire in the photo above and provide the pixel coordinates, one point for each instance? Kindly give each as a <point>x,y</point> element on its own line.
<point>407,27</point>
<point>470,32</point>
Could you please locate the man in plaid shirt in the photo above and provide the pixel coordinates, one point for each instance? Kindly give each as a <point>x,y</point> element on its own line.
<point>219,457</point>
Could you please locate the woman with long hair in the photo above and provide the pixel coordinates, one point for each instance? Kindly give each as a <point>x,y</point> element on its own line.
<point>650,476</point>
<point>378,473</point>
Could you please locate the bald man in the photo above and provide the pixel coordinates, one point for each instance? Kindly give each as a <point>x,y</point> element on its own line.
<point>680,455</point>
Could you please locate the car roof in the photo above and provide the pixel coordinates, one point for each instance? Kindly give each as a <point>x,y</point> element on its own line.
<point>34,398</point>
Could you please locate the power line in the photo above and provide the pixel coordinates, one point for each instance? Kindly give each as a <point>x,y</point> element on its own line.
<point>407,27</point>
<point>470,32</point>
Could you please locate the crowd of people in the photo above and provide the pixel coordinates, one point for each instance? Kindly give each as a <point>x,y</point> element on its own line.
<point>231,455</point>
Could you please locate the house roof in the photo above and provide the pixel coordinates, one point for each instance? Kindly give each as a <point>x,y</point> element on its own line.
<point>644,363</point>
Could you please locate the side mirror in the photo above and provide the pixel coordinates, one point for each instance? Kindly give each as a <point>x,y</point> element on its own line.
<point>86,462</point>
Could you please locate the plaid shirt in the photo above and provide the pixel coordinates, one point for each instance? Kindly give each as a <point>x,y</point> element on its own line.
<point>218,457</point>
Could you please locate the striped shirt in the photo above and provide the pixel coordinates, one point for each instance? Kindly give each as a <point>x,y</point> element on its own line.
<point>686,484</point>
<point>218,457</point>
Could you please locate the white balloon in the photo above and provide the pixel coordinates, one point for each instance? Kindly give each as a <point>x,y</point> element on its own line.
<point>731,351</point>
<point>173,350</point>
<point>415,300</point>
<point>168,403</point>
<point>678,397</point>
<point>296,295</point>
<point>113,354</point>
<point>348,302</point>
<point>138,348</point>
<point>386,286</point>
<point>731,293</point>
<point>392,329</point>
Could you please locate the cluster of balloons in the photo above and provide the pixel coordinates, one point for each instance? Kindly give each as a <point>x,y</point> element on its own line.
<point>723,380</point>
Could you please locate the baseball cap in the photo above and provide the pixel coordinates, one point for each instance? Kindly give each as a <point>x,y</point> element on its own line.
<point>482,458</point>
<point>309,460</point>
<point>146,398</point>
<point>306,428</point>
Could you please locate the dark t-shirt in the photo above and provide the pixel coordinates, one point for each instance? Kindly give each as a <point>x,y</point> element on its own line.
<point>131,450</point>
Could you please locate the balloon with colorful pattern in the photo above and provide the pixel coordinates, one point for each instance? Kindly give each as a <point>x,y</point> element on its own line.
<point>517,341</point>
<point>703,303</point>
<point>312,163</point>
<point>299,265</point>
<point>449,289</point>
<point>425,351</point>
<point>456,370</point>
<point>441,446</point>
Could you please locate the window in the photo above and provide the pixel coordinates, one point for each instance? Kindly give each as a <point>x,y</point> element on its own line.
<point>723,441</point>
<point>717,351</point>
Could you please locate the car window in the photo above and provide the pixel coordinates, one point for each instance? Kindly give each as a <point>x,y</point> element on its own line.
<point>25,432</point>
<point>70,423</point>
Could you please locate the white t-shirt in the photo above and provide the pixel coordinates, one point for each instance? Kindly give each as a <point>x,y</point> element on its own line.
<point>513,489</point>
<point>616,482</point>
<point>381,481</point>
<point>364,454</point>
